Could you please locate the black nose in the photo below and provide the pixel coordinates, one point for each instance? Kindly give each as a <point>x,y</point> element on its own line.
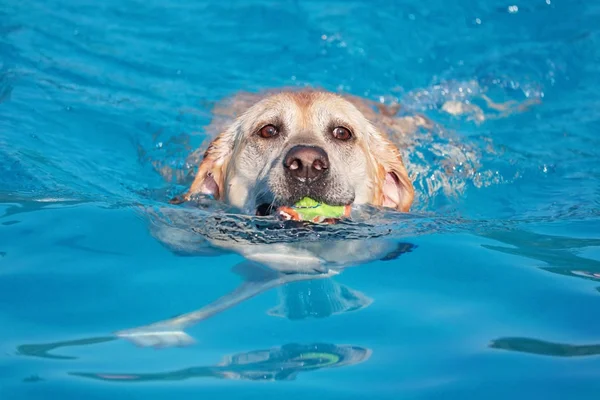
<point>306,163</point>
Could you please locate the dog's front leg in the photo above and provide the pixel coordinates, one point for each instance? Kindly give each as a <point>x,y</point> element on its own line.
<point>169,333</point>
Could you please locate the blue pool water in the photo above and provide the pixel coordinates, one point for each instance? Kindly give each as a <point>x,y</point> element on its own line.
<point>498,297</point>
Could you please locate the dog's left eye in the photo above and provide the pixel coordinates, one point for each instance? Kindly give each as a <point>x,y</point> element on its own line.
<point>341,133</point>
<point>268,131</point>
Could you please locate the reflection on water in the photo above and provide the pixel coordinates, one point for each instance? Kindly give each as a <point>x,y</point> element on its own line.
<point>18,205</point>
<point>541,347</point>
<point>43,350</point>
<point>556,252</point>
<point>275,364</point>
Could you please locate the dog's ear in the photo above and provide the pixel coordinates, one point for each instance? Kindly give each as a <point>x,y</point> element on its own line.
<point>210,179</point>
<point>394,187</point>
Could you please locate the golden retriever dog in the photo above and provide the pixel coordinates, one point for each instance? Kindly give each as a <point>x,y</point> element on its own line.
<point>272,149</point>
<point>294,144</point>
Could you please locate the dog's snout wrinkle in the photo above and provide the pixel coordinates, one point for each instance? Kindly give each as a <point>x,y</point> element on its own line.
<point>306,163</point>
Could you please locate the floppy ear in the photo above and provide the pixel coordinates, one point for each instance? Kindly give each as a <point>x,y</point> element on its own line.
<point>210,179</point>
<point>394,189</point>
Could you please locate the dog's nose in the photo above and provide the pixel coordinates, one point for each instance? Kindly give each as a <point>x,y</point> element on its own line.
<point>306,163</point>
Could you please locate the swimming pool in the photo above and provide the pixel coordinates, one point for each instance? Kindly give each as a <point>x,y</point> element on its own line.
<point>498,296</point>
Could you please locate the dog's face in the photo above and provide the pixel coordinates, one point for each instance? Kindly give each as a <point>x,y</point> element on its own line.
<point>297,144</point>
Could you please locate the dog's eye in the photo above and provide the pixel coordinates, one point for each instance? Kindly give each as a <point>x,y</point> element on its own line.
<point>268,131</point>
<point>341,133</point>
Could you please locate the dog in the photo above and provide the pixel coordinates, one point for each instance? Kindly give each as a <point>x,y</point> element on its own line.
<point>274,148</point>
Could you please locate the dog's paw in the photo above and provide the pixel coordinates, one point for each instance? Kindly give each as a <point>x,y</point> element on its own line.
<point>157,337</point>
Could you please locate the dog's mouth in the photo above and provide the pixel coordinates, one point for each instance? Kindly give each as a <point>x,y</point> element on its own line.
<point>324,196</point>
<point>265,209</point>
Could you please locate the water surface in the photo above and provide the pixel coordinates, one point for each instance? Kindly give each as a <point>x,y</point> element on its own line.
<point>489,290</point>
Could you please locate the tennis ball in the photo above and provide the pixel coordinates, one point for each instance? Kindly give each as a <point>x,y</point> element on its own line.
<point>308,209</point>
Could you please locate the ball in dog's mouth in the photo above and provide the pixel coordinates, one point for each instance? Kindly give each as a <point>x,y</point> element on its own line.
<point>306,209</point>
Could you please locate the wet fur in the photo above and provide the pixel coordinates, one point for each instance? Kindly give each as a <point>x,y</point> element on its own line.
<point>243,169</point>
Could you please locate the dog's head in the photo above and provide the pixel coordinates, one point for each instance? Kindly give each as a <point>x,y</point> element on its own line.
<point>296,144</point>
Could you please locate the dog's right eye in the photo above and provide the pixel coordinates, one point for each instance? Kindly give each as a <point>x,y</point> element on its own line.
<point>342,133</point>
<point>268,131</point>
